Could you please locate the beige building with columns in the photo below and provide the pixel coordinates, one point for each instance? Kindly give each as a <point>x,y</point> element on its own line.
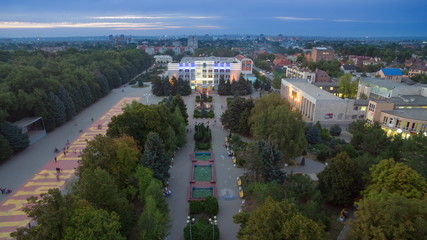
<point>316,104</point>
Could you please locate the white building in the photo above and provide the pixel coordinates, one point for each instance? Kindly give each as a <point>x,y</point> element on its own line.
<point>316,104</point>
<point>192,43</point>
<point>205,72</point>
<point>297,72</point>
<point>378,88</point>
<point>162,59</point>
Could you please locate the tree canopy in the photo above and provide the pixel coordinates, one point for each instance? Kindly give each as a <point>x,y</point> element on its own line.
<point>273,120</point>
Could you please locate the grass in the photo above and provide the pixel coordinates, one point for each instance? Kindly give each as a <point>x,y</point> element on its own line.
<point>202,192</point>
<point>229,100</point>
<point>203,173</point>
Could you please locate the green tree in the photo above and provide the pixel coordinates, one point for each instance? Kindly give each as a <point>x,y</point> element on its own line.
<point>5,149</point>
<point>262,159</point>
<point>52,212</point>
<point>348,87</point>
<point>179,122</point>
<point>118,156</point>
<point>210,206</point>
<point>94,185</point>
<point>335,130</point>
<point>398,178</point>
<point>386,216</point>
<point>257,84</point>
<point>273,120</point>
<point>17,140</point>
<point>143,177</point>
<point>237,114</point>
<point>277,220</point>
<point>89,223</point>
<point>153,224</point>
<point>340,182</point>
<point>154,157</point>
<point>277,81</point>
<point>414,153</point>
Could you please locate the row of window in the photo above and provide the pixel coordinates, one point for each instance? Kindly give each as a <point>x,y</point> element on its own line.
<point>204,70</point>
<point>205,76</point>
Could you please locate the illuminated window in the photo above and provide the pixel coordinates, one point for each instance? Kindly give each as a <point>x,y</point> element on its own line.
<point>363,109</point>
<point>331,88</point>
<point>321,87</point>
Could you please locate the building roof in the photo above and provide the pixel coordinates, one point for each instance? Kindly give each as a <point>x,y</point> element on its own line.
<point>26,121</point>
<point>409,100</point>
<point>349,67</point>
<point>382,83</point>
<point>391,71</point>
<point>311,89</point>
<point>216,59</point>
<point>361,102</point>
<point>417,114</point>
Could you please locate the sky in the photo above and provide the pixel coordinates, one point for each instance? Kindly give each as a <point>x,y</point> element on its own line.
<point>330,18</point>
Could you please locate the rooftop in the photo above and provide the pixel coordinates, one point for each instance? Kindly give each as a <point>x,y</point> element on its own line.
<point>349,67</point>
<point>310,89</point>
<point>383,83</point>
<point>26,121</point>
<point>215,59</point>
<point>391,71</point>
<point>417,114</point>
<point>409,100</point>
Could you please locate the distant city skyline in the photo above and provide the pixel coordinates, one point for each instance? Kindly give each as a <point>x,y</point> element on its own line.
<point>349,18</point>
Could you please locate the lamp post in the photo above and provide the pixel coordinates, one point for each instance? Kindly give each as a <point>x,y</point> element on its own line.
<point>214,222</point>
<point>190,221</point>
<point>147,95</point>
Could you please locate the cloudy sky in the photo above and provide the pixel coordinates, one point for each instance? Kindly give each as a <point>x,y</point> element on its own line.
<point>356,18</point>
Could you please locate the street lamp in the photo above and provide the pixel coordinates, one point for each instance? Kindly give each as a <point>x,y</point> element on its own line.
<point>214,222</point>
<point>190,221</point>
<point>147,95</point>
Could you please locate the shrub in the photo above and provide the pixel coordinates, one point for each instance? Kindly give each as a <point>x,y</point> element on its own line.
<point>335,130</point>
<point>210,206</point>
<point>211,114</point>
<point>132,82</point>
<point>196,207</point>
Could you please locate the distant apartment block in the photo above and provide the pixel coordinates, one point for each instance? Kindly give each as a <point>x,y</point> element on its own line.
<point>360,61</point>
<point>162,60</point>
<point>192,43</point>
<point>322,54</point>
<point>417,69</point>
<point>303,73</point>
<point>391,74</point>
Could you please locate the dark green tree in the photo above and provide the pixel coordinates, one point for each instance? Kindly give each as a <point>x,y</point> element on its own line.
<point>154,157</point>
<point>257,84</point>
<point>340,182</point>
<point>17,140</point>
<point>5,149</point>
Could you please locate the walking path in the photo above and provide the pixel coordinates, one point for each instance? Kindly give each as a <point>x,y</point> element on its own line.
<point>226,175</point>
<point>11,214</point>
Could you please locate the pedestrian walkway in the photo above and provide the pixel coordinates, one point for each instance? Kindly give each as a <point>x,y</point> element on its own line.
<point>54,174</point>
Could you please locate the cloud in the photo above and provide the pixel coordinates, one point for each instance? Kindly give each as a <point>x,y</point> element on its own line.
<point>297,18</point>
<point>112,25</point>
<point>173,16</point>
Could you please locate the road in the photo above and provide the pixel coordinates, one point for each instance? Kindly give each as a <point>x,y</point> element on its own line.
<point>269,76</point>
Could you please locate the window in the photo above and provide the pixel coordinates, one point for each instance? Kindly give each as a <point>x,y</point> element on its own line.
<point>340,116</point>
<point>361,116</point>
<point>385,120</point>
<point>331,88</point>
<point>227,70</point>
<point>321,87</point>
<point>363,109</point>
<point>371,107</point>
<point>355,108</point>
<point>204,75</point>
<point>353,116</point>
